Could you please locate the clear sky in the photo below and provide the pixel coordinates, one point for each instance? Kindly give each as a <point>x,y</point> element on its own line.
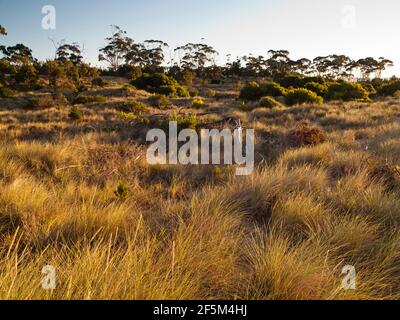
<point>307,28</point>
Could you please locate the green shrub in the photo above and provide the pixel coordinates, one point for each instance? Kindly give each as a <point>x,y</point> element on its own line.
<point>346,91</point>
<point>389,89</point>
<point>273,89</point>
<point>209,93</point>
<point>198,103</point>
<point>251,92</point>
<point>369,87</point>
<point>42,102</point>
<point>122,191</point>
<point>187,121</point>
<point>296,81</point>
<point>98,82</point>
<point>292,81</point>
<point>193,92</point>
<point>182,92</point>
<point>300,96</point>
<point>269,102</point>
<point>160,83</point>
<point>75,114</point>
<point>243,107</point>
<point>135,107</point>
<point>6,92</point>
<point>83,99</point>
<point>319,89</point>
<point>159,101</point>
<point>317,79</point>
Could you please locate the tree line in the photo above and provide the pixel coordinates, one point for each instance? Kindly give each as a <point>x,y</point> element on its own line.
<point>124,56</point>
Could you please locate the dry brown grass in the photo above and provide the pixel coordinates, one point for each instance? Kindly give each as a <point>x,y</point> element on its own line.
<point>285,232</point>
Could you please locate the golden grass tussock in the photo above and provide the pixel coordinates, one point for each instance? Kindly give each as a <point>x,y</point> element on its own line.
<point>80,196</point>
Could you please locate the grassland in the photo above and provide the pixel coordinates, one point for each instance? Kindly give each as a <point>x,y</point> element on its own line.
<point>79,195</point>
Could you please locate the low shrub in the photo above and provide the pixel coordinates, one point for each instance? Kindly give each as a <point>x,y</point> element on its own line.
<point>75,114</point>
<point>198,103</point>
<point>98,82</point>
<point>273,89</point>
<point>209,93</point>
<point>42,102</point>
<point>187,121</point>
<point>83,99</point>
<point>369,87</point>
<point>251,92</point>
<point>305,134</point>
<point>6,92</point>
<point>159,101</point>
<point>193,92</point>
<point>296,81</point>
<point>389,89</point>
<point>346,91</point>
<point>269,102</point>
<point>300,96</point>
<point>122,191</point>
<point>160,83</point>
<point>135,107</point>
<point>318,88</point>
<point>292,81</point>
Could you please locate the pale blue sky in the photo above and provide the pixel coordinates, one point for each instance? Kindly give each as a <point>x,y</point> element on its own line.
<point>307,28</point>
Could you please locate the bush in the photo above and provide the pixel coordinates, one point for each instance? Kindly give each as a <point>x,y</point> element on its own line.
<point>306,135</point>
<point>209,93</point>
<point>389,89</point>
<point>269,102</point>
<point>346,91</point>
<point>135,107</point>
<point>182,92</point>
<point>292,81</point>
<point>193,92</point>
<point>319,89</point>
<point>5,92</point>
<point>198,103</point>
<point>369,87</point>
<point>159,101</point>
<point>122,191</point>
<point>296,81</point>
<point>160,83</point>
<point>98,82</point>
<point>273,89</point>
<point>41,103</point>
<point>300,96</point>
<point>75,114</point>
<point>251,92</point>
<point>188,121</point>
<point>82,99</point>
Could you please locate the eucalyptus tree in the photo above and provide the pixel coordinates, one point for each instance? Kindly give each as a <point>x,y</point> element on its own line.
<point>153,52</point>
<point>302,66</point>
<point>196,56</point>
<point>254,66</point>
<point>117,48</point>
<point>69,52</point>
<point>18,54</point>
<point>278,63</point>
